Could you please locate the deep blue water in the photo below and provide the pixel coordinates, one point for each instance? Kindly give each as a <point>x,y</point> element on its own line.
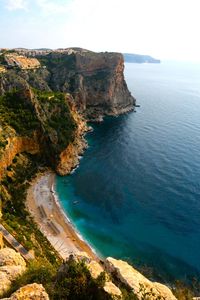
<point>138,184</point>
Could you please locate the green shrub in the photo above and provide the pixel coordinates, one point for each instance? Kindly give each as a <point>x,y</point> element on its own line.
<point>75,282</point>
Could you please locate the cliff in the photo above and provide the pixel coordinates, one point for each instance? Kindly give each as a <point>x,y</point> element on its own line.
<point>95,80</point>
<point>16,145</point>
<point>139,59</point>
<point>41,122</point>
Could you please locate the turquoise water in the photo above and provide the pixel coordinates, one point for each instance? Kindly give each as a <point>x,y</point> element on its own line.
<point>136,193</point>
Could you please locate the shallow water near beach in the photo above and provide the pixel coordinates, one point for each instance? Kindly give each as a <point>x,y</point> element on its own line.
<point>136,193</point>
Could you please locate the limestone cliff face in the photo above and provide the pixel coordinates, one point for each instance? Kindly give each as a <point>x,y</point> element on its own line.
<point>96,81</point>
<point>101,84</point>
<point>69,157</point>
<point>17,144</point>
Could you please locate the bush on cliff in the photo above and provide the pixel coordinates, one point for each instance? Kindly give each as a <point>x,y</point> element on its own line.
<point>56,119</point>
<point>74,282</point>
<point>17,113</point>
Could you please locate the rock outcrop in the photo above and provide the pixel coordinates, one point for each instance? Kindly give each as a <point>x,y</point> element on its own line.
<point>11,265</point>
<point>32,291</point>
<point>22,62</point>
<point>111,289</point>
<point>140,285</point>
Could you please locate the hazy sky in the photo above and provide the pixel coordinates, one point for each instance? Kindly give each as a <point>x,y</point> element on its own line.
<point>161,28</point>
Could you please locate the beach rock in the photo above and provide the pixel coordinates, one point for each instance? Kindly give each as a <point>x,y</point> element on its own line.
<point>140,285</point>
<point>32,291</point>
<point>12,265</point>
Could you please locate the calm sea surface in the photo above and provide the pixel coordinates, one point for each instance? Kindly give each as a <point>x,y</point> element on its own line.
<point>136,193</point>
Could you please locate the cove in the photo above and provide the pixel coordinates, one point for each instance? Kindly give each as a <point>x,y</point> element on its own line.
<point>136,193</point>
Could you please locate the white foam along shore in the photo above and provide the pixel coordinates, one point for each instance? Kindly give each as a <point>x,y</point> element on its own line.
<point>43,203</point>
<point>56,199</point>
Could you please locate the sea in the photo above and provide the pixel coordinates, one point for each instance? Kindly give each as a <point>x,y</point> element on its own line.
<point>136,193</point>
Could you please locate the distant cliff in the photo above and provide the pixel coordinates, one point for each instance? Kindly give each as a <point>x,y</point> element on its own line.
<point>138,58</point>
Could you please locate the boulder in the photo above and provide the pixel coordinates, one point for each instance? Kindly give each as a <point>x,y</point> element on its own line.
<point>140,285</point>
<point>111,289</point>
<point>12,265</point>
<point>32,291</point>
<point>9,257</point>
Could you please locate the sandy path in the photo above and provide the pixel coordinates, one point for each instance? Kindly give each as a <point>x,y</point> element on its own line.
<point>44,207</point>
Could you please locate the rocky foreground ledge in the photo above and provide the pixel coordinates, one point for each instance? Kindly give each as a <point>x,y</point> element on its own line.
<point>117,272</point>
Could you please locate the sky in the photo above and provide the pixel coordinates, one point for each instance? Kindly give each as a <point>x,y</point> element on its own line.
<point>165,29</point>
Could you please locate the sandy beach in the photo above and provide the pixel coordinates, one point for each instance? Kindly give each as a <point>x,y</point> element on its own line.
<point>43,205</point>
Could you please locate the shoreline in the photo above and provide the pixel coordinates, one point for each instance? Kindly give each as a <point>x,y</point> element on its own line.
<point>45,208</point>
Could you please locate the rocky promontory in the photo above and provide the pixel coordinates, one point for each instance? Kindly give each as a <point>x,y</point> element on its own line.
<point>43,110</point>
<point>95,80</point>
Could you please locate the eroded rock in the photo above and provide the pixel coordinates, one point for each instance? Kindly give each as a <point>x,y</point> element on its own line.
<point>32,291</point>
<point>140,285</point>
<point>112,290</point>
<point>12,265</point>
